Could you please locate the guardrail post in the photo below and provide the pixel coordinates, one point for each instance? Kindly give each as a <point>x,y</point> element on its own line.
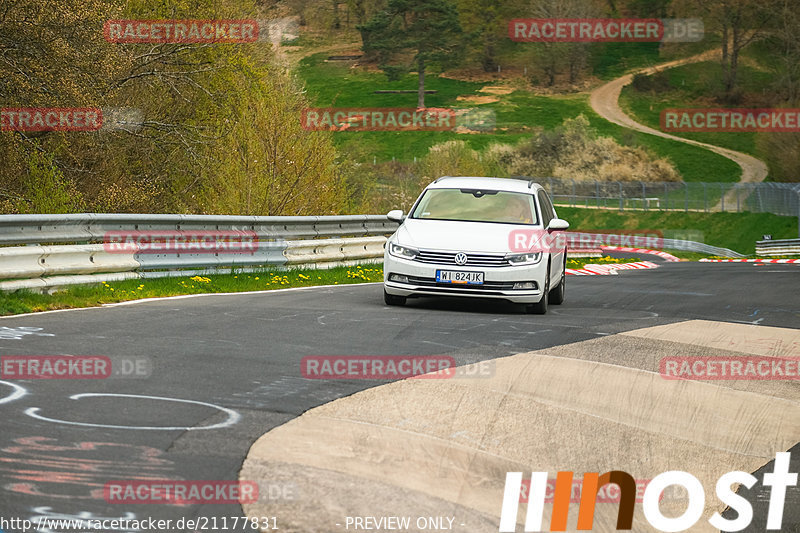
<point>738,201</point>
<point>686,188</point>
<point>597,194</point>
<point>705,197</point>
<point>645,203</point>
<point>573,194</point>
<point>722,189</point>
<point>621,204</point>
<point>798,214</point>
<point>666,196</point>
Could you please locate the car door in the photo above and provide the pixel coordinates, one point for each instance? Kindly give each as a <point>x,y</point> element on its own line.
<point>548,214</point>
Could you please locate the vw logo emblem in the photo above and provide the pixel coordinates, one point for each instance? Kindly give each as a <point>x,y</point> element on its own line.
<point>461,258</point>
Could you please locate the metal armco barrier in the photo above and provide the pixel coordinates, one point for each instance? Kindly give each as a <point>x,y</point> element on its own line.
<point>778,247</point>
<point>679,244</point>
<point>91,227</point>
<point>313,253</point>
<point>43,251</point>
<point>46,261</point>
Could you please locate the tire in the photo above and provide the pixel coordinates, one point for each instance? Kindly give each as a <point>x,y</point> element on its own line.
<point>391,299</point>
<point>556,296</point>
<point>540,308</point>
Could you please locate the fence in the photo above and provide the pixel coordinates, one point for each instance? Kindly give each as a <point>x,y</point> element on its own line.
<point>776,198</point>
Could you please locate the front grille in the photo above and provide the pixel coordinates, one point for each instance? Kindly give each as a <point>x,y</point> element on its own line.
<point>449,258</point>
<point>487,285</point>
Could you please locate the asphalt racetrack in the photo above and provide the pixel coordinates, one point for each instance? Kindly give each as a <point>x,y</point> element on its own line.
<point>226,370</point>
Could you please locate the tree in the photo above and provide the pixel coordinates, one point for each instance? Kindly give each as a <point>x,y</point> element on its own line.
<point>738,23</point>
<point>786,44</point>
<point>337,22</point>
<point>412,34</point>
<point>364,9</point>
<point>484,19</point>
<point>217,127</point>
<point>550,56</point>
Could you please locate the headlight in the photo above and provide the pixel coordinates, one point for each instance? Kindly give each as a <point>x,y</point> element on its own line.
<point>403,252</point>
<point>524,259</point>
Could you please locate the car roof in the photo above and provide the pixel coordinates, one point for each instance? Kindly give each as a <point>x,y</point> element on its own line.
<point>494,184</point>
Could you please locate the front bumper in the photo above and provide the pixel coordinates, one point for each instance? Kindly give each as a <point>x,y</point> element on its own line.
<point>498,281</point>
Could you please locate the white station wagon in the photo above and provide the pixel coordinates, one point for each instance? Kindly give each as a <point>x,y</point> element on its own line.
<point>460,240</point>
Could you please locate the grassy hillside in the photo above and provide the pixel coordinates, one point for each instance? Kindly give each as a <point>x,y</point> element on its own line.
<point>692,86</point>
<point>331,84</point>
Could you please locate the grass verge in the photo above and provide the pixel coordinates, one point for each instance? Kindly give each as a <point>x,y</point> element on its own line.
<point>605,260</point>
<point>78,296</point>
<point>25,301</point>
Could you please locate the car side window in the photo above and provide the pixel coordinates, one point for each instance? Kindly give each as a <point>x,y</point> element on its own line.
<point>550,204</point>
<point>546,207</point>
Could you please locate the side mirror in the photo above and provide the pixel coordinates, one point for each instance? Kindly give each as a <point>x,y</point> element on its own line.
<point>396,215</point>
<point>557,224</point>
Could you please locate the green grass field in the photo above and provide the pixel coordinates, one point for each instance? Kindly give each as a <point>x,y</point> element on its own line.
<point>736,231</point>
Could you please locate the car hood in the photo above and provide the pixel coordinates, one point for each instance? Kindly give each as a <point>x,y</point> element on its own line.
<point>456,236</point>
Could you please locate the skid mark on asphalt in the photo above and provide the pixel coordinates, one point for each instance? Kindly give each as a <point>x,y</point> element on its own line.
<point>18,391</point>
<point>21,332</point>
<point>44,467</point>
<point>231,419</point>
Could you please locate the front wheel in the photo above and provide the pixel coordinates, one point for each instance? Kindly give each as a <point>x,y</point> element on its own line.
<point>392,299</point>
<point>556,296</point>
<point>540,308</point>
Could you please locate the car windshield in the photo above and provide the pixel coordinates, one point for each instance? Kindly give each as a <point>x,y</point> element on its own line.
<point>476,205</point>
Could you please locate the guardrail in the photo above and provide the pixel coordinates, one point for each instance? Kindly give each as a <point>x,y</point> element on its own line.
<point>676,244</point>
<point>44,251</point>
<point>699,247</point>
<point>92,227</point>
<point>778,247</point>
<point>34,253</point>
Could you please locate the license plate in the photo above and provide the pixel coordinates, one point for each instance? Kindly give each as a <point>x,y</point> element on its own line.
<point>458,276</point>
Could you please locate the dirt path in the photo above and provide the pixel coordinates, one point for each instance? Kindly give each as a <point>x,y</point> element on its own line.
<point>605,102</point>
